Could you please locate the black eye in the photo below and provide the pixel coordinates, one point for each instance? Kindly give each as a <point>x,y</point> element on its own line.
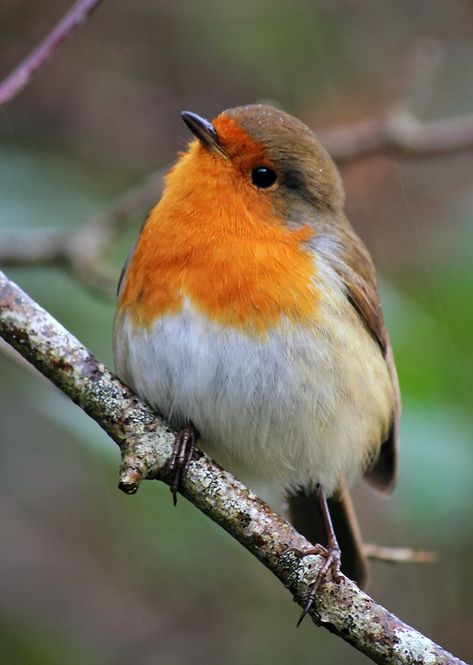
<point>263,177</point>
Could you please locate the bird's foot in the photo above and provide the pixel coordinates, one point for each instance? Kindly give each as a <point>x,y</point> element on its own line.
<point>181,456</point>
<point>332,557</point>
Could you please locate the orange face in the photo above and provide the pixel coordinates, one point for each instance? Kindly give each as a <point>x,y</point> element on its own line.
<point>217,241</point>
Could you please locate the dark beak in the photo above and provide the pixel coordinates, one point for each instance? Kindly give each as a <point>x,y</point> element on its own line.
<point>204,131</point>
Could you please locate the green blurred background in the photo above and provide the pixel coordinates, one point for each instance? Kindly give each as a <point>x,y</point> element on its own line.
<point>90,576</point>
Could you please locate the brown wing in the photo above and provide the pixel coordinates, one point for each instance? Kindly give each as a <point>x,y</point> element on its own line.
<point>349,257</point>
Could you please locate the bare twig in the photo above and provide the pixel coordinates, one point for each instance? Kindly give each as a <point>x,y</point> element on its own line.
<point>21,76</point>
<point>86,249</point>
<point>145,442</point>
<point>399,554</point>
<point>32,246</point>
<point>398,132</point>
<point>83,251</point>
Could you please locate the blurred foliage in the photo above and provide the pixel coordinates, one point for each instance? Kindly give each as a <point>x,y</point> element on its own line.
<point>91,576</point>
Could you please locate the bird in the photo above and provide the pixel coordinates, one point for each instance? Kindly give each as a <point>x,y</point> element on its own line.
<point>248,315</point>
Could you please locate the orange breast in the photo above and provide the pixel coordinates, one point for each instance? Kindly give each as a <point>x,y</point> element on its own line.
<point>215,240</point>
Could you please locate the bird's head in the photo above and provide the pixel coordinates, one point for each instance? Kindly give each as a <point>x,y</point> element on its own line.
<point>262,158</point>
<point>240,210</point>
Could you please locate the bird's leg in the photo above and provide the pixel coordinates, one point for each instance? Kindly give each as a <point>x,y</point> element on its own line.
<point>331,554</point>
<point>181,456</point>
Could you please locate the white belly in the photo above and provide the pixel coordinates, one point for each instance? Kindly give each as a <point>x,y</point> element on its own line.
<point>303,405</point>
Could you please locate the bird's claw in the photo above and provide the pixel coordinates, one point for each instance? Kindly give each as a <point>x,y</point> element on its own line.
<point>332,565</point>
<point>181,456</point>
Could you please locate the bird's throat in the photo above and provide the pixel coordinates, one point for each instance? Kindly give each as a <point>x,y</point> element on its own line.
<point>215,241</point>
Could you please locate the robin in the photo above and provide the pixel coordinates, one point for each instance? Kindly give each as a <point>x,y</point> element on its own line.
<point>249,317</point>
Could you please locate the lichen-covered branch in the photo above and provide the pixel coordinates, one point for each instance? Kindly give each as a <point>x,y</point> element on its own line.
<point>145,442</point>
<point>21,76</point>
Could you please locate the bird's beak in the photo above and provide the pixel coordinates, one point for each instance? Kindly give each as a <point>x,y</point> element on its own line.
<point>204,131</point>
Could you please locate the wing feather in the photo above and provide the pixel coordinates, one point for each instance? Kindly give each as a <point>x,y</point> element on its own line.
<point>348,256</point>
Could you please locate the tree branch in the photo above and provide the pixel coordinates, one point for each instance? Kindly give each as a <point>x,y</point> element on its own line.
<point>398,132</point>
<point>399,554</point>
<point>83,252</point>
<point>145,442</point>
<point>22,75</point>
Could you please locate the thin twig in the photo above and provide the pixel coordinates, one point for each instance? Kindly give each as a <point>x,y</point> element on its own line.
<point>146,441</point>
<point>86,250</point>
<point>401,133</point>
<point>83,251</point>
<point>33,246</point>
<point>399,554</point>
<point>21,76</point>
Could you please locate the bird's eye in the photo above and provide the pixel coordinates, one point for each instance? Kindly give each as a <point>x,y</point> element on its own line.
<point>263,177</point>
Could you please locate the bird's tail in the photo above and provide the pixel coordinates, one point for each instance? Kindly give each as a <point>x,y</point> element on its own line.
<point>306,517</point>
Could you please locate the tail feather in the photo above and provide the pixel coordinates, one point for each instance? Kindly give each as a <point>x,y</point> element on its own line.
<point>307,519</point>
